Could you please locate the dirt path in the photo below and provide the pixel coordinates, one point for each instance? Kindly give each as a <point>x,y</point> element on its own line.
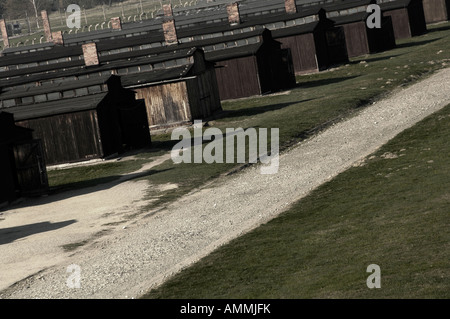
<point>126,262</point>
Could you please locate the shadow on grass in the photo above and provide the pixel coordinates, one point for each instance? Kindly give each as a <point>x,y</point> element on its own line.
<point>440,28</point>
<point>413,44</point>
<point>317,83</point>
<point>257,110</point>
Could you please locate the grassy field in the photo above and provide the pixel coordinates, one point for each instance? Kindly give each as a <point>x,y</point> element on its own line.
<point>393,211</point>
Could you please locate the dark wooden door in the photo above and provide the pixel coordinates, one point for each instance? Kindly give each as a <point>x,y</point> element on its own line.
<point>30,167</point>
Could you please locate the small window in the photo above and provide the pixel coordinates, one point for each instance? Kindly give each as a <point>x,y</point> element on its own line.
<point>242,42</point>
<point>27,100</point>
<point>67,94</point>
<point>171,63</point>
<point>253,40</point>
<point>300,21</point>
<point>40,98</point>
<point>145,68</point>
<point>290,23</point>
<point>53,96</point>
<point>231,44</point>
<point>133,69</point>
<point>9,103</point>
<point>333,14</point>
<point>94,89</point>
<point>81,91</point>
<point>219,46</point>
<point>309,19</point>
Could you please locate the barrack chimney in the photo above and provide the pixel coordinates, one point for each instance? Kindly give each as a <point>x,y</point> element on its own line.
<point>167,8</point>
<point>116,23</point>
<point>233,13</point>
<point>57,38</point>
<point>90,54</point>
<point>4,33</point>
<point>291,6</point>
<point>46,23</point>
<point>170,32</point>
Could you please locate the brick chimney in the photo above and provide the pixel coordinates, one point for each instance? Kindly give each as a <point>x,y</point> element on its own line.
<point>170,32</point>
<point>233,13</point>
<point>90,54</point>
<point>57,38</point>
<point>167,8</point>
<point>291,6</point>
<point>46,23</point>
<point>116,23</point>
<point>4,33</point>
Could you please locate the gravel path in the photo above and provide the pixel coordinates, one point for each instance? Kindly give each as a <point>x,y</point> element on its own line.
<point>126,262</point>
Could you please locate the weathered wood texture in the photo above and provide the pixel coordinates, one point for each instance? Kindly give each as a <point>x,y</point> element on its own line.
<point>166,103</point>
<point>361,40</point>
<point>408,22</point>
<point>303,50</point>
<point>356,39</point>
<point>68,137</point>
<point>238,78</point>
<point>436,10</point>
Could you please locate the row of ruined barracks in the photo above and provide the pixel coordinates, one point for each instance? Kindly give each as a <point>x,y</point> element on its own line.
<point>22,164</point>
<point>313,42</point>
<point>408,17</point>
<point>248,61</point>
<point>310,40</point>
<point>360,39</point>
<point>102,117</point>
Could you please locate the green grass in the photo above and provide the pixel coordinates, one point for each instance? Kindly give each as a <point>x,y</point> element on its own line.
<point>390,212</point>
<point>87,176</point>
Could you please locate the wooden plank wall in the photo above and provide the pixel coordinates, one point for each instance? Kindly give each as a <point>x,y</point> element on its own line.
<point>238,78</point>
<point>356,39</point>
<point>203,94</point>
<point>436,10</point>
<point>166,103</point>
<point>400,22</point>
<point>68,137</point>
<point>303,50</point>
